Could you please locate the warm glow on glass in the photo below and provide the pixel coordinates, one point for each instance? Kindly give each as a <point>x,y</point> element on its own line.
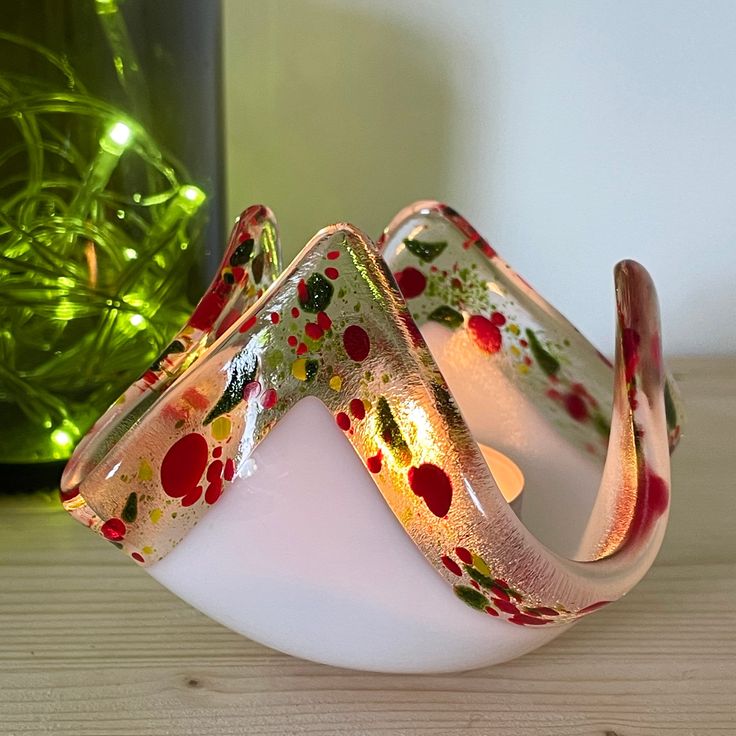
<point>507,473</point>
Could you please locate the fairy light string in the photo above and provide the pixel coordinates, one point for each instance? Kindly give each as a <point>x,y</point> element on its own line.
<point>96,224</point>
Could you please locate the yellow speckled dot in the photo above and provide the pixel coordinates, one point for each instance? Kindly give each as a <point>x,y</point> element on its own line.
<point>515,329</point>
<point>480,565</point>
<point>299,369</point>
<point>523,368</point>
<point>221,428</point>
<point>335,383</point>
<point>515,351</point>
<point>145,471</point>
<point>155,515</point>
<point>406,516</point>
<point>148,550</point>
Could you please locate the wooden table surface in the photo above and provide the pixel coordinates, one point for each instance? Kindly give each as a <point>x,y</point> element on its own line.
<point>90,644</point>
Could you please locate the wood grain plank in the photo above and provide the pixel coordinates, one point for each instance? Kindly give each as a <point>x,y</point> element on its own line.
<point>91,645</point>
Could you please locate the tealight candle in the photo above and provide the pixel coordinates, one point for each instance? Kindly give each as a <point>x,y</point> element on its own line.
<point>506,473</point>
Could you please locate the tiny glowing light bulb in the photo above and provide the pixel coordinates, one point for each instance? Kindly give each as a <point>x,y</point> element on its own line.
<point>193,194</point>
<point>117,138</point>
<point>112,146</point>
<point>62,438</point>
<point>181,207</point>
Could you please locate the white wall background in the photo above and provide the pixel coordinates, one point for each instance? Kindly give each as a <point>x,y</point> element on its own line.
<point>571,133</point>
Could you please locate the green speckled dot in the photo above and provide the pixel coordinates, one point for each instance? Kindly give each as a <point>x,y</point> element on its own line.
<point>471,596</point>
<point>319,294</point>
<point>273,359</point>
<point>479,577</point>
<point>130,511</point>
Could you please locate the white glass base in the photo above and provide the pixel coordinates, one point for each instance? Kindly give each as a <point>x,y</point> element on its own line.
<point>304,555</point>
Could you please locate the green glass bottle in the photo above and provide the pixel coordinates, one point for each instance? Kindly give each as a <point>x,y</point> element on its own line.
<point>100,221</point>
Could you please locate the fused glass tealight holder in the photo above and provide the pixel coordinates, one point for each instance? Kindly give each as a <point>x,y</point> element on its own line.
<point>312,461</point>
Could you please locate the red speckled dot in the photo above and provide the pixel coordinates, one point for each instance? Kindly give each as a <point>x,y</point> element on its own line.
<point>331,273</point>
<point>229,473</point>
<point>324,321</point>
<point>208,309</point>
<point>150,377</point>
<point>251,390</point>
<point>498,319</point>
<point>343,421</point>
<point>313,331</point>
<point>630,340</point>
<point>375,462</point>
<point>214,491</point>
<point>531,612</point>
<point>357,408</point>
<point>301,349</point>
<point>294,312</point>
<point>464,555</point>
<point>576,407</point>
<point>269,399</point>
<point>333,255</point>
<point>432,484</point>
<point>594,607</point>
<point>183,465</point>
<point>302,291</point>
<point>413,330</point>
<point>194,397</point>
<point>523,620</point>
<point>275,318</point>
<point>652,501</point>
<point>505,606</point>
<point>137,557</point>
<point>247,324</point>
<point>491,611</point>
<point>357,343</point>
<point>215,470</point>
<point>217,452</point>
<point>192,498</point>
<point>292,341</point>
<point>411,281</point>
<point>228,321</point>
<point>70,494</point>
<point>451,565</point>
<point>113,529</point>
<point>484,333</point>
<point>544,611</point>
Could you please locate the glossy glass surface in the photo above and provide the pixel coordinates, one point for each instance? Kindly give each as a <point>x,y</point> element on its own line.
<point>335,326</point>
